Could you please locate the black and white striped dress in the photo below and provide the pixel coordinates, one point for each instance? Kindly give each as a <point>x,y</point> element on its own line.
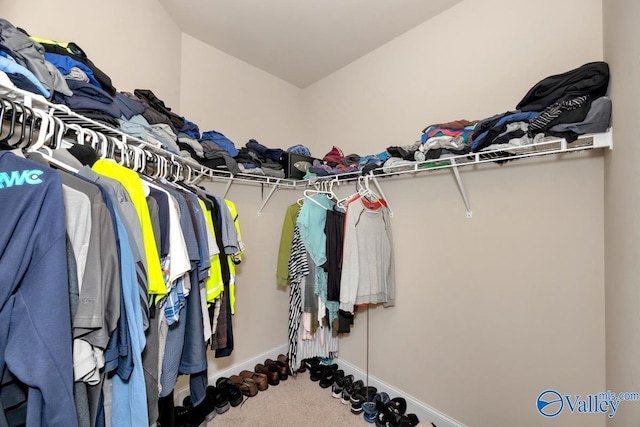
<point>298,270</point>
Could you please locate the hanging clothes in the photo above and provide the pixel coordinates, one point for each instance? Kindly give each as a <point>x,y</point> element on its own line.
<point>286,241</point>
<point>311,222</point>
<point>307,337</point>
<point>132,183</point>
<point>35,339</point>
<point>367,264</point>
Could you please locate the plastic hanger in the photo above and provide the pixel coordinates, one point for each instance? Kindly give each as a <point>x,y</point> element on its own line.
<point>17,119</point>
<point>34,123</point>
<point>55,135</point>
<point>3,107</point>
<point>309,193</point>
<point>43,129</point>
<point>112,144</point>
<point>367,193</point>
<point>27,116</point>
<point>12,125</point>
<point>177,172</point>
<point>80,137</point>
<point>94,142</point>
<point>188,176</point>
<point>58,132</point>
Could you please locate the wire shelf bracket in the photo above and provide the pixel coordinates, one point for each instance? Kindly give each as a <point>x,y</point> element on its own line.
<point>266,200</point>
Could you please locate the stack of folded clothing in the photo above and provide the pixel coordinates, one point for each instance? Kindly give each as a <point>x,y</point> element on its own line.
<point>453,136</point>
<point>501,128</point>
<point>566,102</point>
<point>191,129</point>
<point>20,76</point>
<point>372,162</point>
<point>329,164</point>
<point>564,105</point>
<point>25,52</point>
<point>157,112</point>
<point>255,158</point>
<point>129,104</point>
<point>188,137</point>
<point>90,101</point>
<point>218,152</point>
<point>74,52</point>
<point>220,141</point>
<point>72,69</point>
<point>336,163</point>
<point>404,152</point>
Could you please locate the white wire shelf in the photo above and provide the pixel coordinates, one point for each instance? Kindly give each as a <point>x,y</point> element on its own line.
<point>503,155</point>
<point>453,162</point>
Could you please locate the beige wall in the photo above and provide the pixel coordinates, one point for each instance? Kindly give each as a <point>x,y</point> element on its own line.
<point>135,42</point>
<point>622,224</point>
<point>491,310</point>
<point>223,93</point>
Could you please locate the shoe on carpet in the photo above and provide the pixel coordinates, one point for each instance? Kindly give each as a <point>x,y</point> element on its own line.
<point>233,393</point>
<point>247,386</point>
<point>283,370</point>
<point>285,360</point>
<point>340,384</point>
<point>195,416</point>
<point>271,371</point>
<point>220,398</point>
<point>370,412</point>
<point>166,410</point>
<point>328,375</point>
<point>356,400</point>
<point>350,389</point>
<point>260,379</point>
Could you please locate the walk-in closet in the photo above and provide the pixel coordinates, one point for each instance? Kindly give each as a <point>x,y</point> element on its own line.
<point>319,213</point>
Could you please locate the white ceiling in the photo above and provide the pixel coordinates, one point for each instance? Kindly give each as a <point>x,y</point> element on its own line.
<point>300,41</point>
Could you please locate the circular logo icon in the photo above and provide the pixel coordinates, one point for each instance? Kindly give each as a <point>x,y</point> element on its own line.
<point>549,403</point>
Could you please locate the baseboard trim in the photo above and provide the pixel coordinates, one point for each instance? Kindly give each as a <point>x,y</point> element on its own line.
<point>425,413</point>
<point>235,369</point>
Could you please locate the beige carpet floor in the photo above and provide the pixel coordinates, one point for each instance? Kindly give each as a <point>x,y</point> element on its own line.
<point>298,401</point>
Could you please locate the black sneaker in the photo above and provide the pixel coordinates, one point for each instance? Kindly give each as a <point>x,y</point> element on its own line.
<point>350,389</point>
<point>328,376</point>
<point>221,399</point>
<point>340,384</point>
<point>316,372</point>
<point>228,388</point>
<point>356,403</point>
<point>369,393</point>
<point>166,409</point>
<point>195,416</point>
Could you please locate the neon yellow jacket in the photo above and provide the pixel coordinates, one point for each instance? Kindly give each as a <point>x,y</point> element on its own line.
<point>215,284</point>
<point>133,184</point>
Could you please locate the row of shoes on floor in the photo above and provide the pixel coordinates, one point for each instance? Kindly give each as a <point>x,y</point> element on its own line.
<point>228,392</point>
<point>376,407</point>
